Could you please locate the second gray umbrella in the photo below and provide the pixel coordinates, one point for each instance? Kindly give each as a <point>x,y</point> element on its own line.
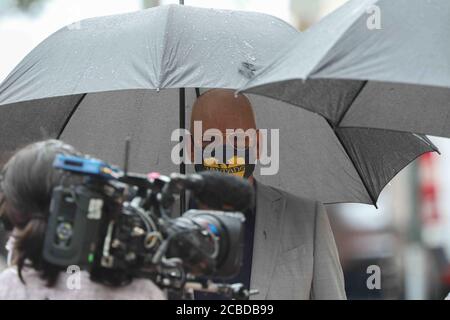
<point>372,63</point>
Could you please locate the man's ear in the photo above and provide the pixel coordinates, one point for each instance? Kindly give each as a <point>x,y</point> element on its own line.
<point>259,143</point>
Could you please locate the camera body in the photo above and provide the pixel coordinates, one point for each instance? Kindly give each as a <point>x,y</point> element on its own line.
<point>117,225</point>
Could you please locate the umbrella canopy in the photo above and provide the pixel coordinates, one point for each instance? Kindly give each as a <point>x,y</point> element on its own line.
<point>120,76</point>
<point>160,48</point>
<point>371,63</point>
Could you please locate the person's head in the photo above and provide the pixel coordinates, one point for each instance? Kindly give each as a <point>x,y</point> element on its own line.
<point>233,118</point>
<point>26,184</point>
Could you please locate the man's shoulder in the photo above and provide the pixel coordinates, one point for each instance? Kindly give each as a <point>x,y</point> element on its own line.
<point>296,209</point>
<point>297,217</point>
<point>297,199</point>
<point>290,198</point>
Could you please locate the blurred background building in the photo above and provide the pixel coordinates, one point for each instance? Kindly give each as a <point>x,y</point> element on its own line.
<point>407,237</point>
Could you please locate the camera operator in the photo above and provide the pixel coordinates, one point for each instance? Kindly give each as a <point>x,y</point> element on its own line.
<point>27,181</point>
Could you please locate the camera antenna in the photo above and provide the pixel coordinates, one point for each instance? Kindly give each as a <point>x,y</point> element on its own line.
<point>127,155</point>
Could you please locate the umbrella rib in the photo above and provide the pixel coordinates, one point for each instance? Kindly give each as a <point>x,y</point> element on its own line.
<point>351,103</point>
<point>318,67</point>
<point>358,171</point>
<point>164,44</point>
<point>74,109</point>
<point>335,127</point>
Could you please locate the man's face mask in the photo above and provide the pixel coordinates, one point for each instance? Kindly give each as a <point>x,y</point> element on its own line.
<point>239,162</point>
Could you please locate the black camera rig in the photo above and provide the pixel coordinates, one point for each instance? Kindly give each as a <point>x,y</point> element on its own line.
<point>118,226</point>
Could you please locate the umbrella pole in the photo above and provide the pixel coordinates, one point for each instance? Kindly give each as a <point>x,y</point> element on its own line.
<point>182,126</point>
<point>182,116</point>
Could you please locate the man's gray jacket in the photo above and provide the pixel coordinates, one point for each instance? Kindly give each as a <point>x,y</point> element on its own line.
<point>294,252</point>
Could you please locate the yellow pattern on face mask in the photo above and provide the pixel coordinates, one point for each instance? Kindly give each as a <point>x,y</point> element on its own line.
<point>234,166</point>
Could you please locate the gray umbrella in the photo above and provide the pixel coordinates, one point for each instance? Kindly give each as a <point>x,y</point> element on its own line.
<point>103,79</point>
<point>372,63</point>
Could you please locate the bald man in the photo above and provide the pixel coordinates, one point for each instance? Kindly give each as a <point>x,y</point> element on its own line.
<point>289,250</point>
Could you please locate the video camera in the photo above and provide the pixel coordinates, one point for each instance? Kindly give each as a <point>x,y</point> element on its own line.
<point>117,225</point>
